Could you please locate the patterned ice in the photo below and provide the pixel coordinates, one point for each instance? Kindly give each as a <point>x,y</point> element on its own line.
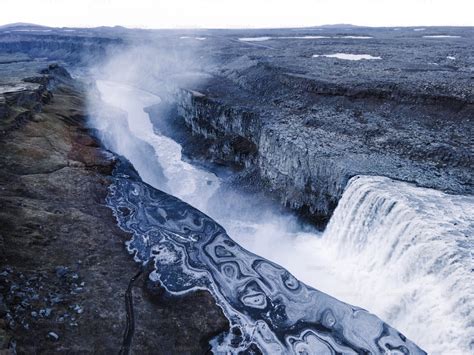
<point>272,309</point>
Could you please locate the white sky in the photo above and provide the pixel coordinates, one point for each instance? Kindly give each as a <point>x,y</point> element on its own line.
<point>237,13</point>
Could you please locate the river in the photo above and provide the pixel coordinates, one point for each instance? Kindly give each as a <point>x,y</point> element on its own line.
<point>399,251</point>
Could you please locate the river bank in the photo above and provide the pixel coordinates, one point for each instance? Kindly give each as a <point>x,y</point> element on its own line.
<point>64,270</point>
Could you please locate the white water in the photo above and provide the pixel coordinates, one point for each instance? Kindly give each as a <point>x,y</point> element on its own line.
<point>411,249</point>
<point>402,252</point>
<point>184,180</point>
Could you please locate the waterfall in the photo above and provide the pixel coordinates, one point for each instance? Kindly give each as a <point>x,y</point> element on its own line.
<point>420,242</point>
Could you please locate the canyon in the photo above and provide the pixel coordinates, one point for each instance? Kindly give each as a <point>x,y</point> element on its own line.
<point>362,165</point>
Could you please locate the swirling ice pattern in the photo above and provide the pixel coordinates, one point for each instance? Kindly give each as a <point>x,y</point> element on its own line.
<point>267,307</point>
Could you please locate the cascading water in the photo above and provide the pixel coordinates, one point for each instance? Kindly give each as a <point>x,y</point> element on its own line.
<point>412,247</point>
<point>181,179</point>
<point>406,245</point>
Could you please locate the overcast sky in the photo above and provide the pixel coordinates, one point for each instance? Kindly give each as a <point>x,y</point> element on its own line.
<point>237,13</point>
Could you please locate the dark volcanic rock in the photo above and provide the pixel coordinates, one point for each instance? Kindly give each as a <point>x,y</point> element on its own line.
<point>64,269</point>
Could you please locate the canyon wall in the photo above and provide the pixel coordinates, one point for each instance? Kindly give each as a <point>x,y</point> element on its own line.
<point>302,143</point>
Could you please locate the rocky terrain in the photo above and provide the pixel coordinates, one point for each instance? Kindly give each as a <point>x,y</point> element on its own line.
<point>301,126</point>
<point>65,274</point>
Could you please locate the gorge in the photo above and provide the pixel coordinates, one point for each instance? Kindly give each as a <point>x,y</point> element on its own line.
<point>360,187</point>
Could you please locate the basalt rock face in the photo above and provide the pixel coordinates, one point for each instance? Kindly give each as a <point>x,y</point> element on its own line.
<point>307,158</point>
<point>302,132</point>
<point>64,270</point>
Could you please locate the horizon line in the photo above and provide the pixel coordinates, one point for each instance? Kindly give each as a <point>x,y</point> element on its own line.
<point>334,25</point>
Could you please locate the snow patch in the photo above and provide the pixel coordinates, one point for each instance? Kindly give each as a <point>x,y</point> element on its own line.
<point>304,37</point>
<point>196,38</point>
<point>260,39</point>
<point>197,93</point>
<point>356,37</point>
<point>441,36</point>
<point>347,56</point>
<point>254,39</point>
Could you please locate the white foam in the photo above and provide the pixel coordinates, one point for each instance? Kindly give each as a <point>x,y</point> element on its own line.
<point>184,180</point>
<point>419,29</point>
<point>348,56</point>
<point>441,36</point>
<point>451,57</point>
<point>412,248</point>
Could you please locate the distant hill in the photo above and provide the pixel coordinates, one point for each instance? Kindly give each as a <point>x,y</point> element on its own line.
<point>339,25</point>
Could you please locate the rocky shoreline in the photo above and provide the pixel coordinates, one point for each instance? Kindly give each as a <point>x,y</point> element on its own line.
<point>65,270</point>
